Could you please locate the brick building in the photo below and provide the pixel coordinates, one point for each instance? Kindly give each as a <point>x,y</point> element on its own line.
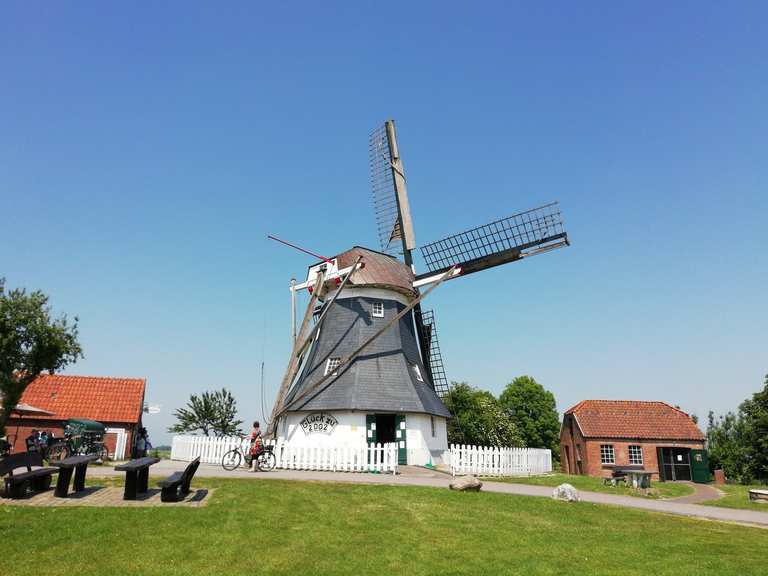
<point>115,402</point>
<point>599,435</point>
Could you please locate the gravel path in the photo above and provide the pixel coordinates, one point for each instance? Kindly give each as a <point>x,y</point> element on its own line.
<point>422,477</point>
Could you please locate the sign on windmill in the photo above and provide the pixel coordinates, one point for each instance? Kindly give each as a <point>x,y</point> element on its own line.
<point>367,368</point>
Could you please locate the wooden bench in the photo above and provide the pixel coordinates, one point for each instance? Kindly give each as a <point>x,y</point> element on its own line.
<point>17,483</point>
<point>760,496</point>
<point>76,464</point>
<point>136,476</point>
<point>176,486</point>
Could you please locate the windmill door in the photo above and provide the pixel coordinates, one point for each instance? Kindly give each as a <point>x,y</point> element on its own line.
<point>402,446</point>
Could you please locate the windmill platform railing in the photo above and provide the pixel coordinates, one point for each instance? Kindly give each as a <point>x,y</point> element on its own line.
<point>499,461</point>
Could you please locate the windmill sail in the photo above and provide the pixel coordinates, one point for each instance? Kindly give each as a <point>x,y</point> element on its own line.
<point>506,240</point>
<point>390,197</point>
<point>434,358</point>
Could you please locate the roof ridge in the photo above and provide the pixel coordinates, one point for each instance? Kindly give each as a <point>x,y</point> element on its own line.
<point>135,378</point>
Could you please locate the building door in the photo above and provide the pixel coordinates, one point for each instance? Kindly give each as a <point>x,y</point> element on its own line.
<point>676,463</point>
<point>567,458</point>
<point>699,466</point>
<point>400,437</point>
<point>388,428</point>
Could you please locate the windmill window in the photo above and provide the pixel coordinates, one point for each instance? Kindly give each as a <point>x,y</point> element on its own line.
<point>432,421</point>
<point>378,309</point>
<point>636,455</point>
<point>332,365</point>
<point>417,371</point>
<point>606,454</point>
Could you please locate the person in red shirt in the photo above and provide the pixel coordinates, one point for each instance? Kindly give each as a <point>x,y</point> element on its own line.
<point>257,444</point>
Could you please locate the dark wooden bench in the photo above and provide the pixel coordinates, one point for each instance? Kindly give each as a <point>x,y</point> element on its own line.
<point>176,486</point>
<point>136,476</point>
<point>76,464</point>
<point>17,483</point>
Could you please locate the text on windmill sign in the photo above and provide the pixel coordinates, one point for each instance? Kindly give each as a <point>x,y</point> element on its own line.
<point>318,423</point>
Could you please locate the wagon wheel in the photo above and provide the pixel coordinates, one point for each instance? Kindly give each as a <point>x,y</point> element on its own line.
<point>103,452</point>
<point>57,452</point>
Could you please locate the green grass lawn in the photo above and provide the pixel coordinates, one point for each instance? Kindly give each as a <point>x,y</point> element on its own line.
<point>737,496</point>
<point>280,527</point>
<point>665,489</point>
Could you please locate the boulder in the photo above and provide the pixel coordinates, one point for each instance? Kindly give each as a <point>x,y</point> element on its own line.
<point>466,484</point>
<point>566,493</point>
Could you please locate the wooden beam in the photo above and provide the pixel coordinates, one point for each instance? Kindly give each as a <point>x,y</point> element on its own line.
<point>351,357</point>
<point>290,372</point>
<point>401,192</point>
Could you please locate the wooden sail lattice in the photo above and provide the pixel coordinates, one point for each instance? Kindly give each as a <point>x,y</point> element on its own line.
<point>434,357</point>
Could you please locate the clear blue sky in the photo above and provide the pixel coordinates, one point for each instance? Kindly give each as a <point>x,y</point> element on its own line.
<point>146,151</point>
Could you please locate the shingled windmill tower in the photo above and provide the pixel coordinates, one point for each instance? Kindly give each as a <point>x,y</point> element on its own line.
<point>366,364</point>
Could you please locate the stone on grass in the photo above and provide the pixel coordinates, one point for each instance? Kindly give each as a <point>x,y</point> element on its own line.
<point>466,484</point>
<point>566,493</point>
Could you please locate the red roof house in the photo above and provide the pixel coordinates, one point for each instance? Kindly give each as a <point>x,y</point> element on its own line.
<point>598,436</point>
<point>116,402</point>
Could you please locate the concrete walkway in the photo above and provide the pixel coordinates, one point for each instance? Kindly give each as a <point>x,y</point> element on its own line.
<point>703,492</point>
<point>441,480</point>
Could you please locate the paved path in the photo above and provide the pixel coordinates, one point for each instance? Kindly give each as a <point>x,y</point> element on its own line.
<point>703,492</point>
<point>441,480</point>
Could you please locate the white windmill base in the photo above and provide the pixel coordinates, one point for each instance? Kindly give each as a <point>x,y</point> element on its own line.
<point>424,437</point>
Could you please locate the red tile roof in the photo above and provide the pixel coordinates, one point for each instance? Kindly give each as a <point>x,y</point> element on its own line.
<point>634,419</point>
<point>102,399</point>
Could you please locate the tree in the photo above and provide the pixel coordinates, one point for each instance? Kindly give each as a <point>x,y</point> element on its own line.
<point>725,445</point>
<point>738,442</point>
<point>533,410</point>
<point>31,342</point>
<point>478,419</point>
<point>754,418</point>
<point>211,413</point>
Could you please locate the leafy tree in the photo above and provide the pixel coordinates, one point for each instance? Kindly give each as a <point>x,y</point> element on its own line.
<point>533,410</point>
<point>754,418</point>
<point>725,445</point>
<point>211,413</point>
<point>738,442</point>
<point>478,419</point>
<point>31,342</point>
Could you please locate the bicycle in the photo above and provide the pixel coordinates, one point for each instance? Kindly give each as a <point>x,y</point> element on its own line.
<point>265,460</point>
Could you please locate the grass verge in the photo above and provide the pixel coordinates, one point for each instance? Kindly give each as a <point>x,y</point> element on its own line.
<point>737,496</point>
<point>280,527</point>
<point>588,483</point>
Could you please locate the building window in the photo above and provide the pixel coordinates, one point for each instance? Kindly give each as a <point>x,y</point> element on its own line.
<point>417,371</point>
<point>378,309</point>
<point>432,421</point>
<point>606,454</point>
<point>636,455</point>
<point>331,365</point>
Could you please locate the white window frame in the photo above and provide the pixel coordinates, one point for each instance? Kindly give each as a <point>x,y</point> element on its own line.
<point>336,361</point>
<point>607,454</point>
<point>377,310</point>
<point>417,371</point>
<point>636,458</point>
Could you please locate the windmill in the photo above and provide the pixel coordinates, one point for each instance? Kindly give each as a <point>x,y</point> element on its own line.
<point>366,363</point>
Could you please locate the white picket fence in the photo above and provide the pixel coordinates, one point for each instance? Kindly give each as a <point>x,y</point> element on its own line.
<point>494,461</point>
<point>362,458</point>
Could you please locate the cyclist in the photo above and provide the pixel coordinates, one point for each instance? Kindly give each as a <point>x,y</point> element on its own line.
<point>257,444</point>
